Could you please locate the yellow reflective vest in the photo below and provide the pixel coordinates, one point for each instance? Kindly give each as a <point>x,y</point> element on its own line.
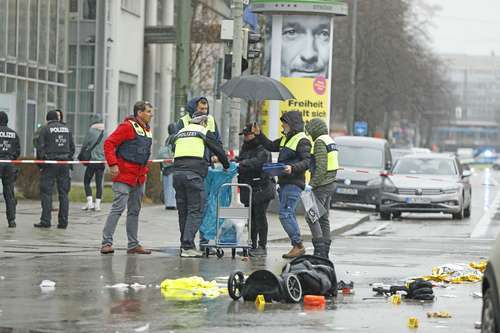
<point>210,122</point>
<point>294,141</point>
<point>331,148</point>
<point>189,142</point>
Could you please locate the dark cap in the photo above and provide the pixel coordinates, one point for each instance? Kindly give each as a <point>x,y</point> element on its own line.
<point>246,130</point>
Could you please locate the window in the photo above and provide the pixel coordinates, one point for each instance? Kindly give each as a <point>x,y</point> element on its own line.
<point>126,97</point>
<point>89,9</point>
<point>61,37</point>
<point>86,102</point>
<point>12,28</point>
<point>53,32</point>
<point>87,55</point>
<point>132,6</point>
<point>23,31</point>
<point>33,31</point>
<point>73,6</point>
<point>3,28</point>
<point>43,35</point>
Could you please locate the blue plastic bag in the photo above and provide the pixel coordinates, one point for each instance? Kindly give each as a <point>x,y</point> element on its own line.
<point>213,181</point>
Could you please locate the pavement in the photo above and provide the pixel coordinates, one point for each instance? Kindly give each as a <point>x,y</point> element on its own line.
<point>158,229</point>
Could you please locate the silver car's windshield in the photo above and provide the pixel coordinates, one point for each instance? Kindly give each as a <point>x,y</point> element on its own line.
<point>425,166</point>
<point>360,157</point>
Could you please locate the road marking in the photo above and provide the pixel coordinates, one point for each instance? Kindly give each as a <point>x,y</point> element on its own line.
<point>482,226</point>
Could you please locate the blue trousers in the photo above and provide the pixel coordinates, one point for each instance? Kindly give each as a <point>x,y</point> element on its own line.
<point>289,196</point>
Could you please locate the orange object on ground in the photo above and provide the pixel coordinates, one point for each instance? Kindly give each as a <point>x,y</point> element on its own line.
<point>314,300</point>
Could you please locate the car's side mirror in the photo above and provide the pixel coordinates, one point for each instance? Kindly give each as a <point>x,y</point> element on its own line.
<point>466,173</point>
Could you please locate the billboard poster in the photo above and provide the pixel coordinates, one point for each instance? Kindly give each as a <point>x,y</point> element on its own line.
<point>298,52</point>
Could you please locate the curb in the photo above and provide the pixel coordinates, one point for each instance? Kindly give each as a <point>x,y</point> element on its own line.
<point>334,232</point>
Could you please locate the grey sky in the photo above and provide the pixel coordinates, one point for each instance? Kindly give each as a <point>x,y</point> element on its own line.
<point>467,27</point>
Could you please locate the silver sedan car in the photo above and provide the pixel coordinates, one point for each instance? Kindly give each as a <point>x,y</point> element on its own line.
<point>426,183</point>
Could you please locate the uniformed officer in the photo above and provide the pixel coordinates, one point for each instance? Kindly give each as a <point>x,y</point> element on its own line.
<point>55,143</point>
<point>10,149</point>
<point>199,105</point>
<point>324,166</point>
<point>193,146</point>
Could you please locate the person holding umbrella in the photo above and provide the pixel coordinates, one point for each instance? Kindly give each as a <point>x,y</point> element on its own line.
<point>294,149</point>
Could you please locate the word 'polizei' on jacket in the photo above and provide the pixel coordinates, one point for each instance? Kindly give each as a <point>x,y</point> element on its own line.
<point>9,144</point>
<point>137,150</point>
<point>192,147</point>
<point>332,153</point>
<point>55,142</point>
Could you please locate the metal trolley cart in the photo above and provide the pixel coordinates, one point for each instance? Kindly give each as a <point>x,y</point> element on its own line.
<point>231,212</point>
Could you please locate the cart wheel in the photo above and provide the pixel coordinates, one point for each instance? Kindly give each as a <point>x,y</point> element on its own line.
<point>207,252</point>
<point>220,253</point>
<point>233,253</point>
<point>293,289</point>
<point>235,284</point>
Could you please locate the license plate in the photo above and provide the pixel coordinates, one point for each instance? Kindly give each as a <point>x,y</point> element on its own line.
<point>418,200</point>
<point>350,191</point>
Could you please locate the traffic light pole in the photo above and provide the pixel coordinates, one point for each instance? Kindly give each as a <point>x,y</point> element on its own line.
<point>236,71</point>
<point>351,104</point>
<point>184,15</point>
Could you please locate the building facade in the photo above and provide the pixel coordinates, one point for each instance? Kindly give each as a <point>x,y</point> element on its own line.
<point>476,85</point>
<point>33,62</point>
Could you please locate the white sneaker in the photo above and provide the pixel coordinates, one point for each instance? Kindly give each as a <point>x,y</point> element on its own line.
<point>97,206</point>
<point>191,253</point>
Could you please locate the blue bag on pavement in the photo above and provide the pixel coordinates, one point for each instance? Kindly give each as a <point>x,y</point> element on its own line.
<point>213,181</point>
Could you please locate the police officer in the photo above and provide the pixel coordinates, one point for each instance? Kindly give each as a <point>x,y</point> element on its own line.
<point>199,105</point>
<point>193,146</point>
<point>55,143</point>
<point>324,165</point>
<point>9,150</point>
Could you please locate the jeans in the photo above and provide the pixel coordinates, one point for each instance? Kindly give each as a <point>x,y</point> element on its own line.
<point>8,175</point>
<point>90,171</point>
<point>169,191</point>
<point>55,174</point>
<point>321,229</point>
<point>129,197</point>
<point>190,196</point>
<point>289,196</point>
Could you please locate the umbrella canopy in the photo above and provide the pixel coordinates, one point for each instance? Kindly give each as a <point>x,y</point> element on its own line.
<point>256,88</point>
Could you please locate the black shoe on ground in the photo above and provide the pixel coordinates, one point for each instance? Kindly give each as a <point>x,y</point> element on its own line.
<point>41,225</point>
<point>260,251</point>
<point>59,226</point>
<point>12,224</point>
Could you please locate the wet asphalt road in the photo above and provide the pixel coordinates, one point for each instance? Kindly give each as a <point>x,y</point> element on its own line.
<point>403,248</point>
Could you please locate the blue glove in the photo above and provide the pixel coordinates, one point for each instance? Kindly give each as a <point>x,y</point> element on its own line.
<point>308,188</point>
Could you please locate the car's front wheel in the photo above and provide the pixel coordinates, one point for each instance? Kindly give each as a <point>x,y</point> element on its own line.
<point>385,215</point>
<point>489,323</point>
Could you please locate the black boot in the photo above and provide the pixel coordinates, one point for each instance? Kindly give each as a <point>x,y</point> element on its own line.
<point>318,245</point>
<point>326,248</point>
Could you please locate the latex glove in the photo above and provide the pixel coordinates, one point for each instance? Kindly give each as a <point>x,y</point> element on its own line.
<point>308,188</point>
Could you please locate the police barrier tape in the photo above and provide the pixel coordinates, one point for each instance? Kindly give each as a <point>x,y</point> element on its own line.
<point>73,162</point>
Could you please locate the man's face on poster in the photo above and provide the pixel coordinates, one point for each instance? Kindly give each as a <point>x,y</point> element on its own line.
<point>305,46</point>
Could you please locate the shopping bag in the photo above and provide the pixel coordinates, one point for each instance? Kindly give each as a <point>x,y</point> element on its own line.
<point>314,211</point>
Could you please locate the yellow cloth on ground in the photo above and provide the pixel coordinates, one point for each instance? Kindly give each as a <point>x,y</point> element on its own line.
<point>190,289</point>
<point>458,273</point>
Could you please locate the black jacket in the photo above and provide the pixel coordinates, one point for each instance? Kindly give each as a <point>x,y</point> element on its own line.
<point>198,165</point>
<point>252,157</point>
<point>301,160</point>
<point>10,148</point>
<point>55,142</point>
